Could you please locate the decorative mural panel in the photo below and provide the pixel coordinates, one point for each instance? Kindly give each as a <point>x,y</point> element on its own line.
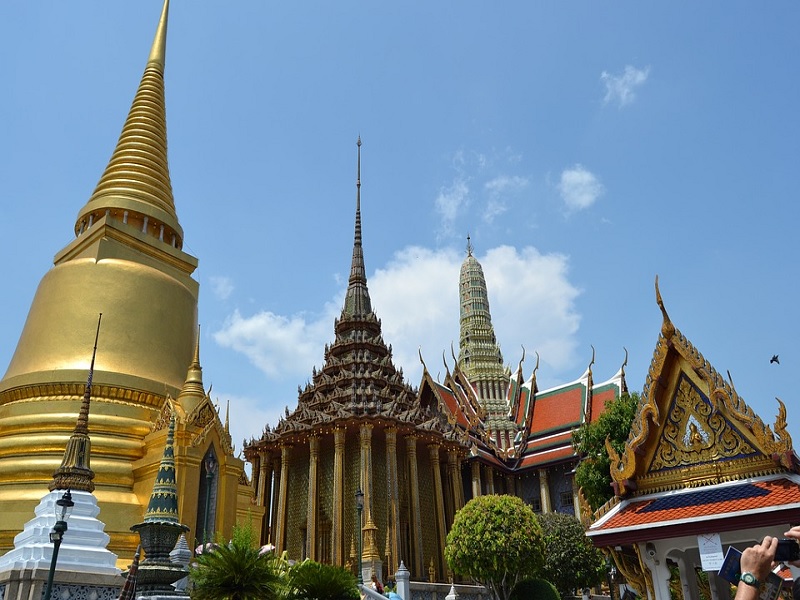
<point>695,434</point>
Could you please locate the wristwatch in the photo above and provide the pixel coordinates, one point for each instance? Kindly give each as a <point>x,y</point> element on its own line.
<point>749,579</point>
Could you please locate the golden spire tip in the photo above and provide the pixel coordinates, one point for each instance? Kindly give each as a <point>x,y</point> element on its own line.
<point>158,52</point>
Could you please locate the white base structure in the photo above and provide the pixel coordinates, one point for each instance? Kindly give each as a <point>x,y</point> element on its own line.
<point>83,548</point>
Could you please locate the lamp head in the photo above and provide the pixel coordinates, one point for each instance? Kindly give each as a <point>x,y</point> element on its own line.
<point>64,506</point>
<point>359,499</point>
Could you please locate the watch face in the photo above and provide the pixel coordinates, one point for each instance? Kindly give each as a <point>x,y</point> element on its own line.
<point>749,579</point>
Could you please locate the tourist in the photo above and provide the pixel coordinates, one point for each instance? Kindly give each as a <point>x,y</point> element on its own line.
<point>756,564</point>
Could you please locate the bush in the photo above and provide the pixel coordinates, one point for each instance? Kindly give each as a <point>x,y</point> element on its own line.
<point>534,589</point>
<point>311,580</point>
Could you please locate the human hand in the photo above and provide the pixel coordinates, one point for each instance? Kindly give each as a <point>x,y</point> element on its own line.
<point>758,559</point>
<point>794,533</point>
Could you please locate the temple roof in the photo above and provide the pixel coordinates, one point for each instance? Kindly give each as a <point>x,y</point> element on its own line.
<point>543,420</point>
<point>692,428</point>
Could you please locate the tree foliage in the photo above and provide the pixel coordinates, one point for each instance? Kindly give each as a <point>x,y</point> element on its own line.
<point>497,541</point>
<point>571,560</point>
<point>237,570</point>
<point>593,474</point>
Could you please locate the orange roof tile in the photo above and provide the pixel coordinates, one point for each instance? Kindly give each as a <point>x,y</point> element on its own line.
<point>557,411</point>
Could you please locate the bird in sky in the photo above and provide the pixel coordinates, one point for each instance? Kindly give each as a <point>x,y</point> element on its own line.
<point>774,359</point>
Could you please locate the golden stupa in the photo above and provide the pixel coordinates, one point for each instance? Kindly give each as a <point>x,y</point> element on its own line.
<point>126,262</point>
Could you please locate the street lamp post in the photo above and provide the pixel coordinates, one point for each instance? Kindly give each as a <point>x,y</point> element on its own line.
<point>63,510</point>
<point>359,508</point>
<point>211,467</point>
<point>611,574</point>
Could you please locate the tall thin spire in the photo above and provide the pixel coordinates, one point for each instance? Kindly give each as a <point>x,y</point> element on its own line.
<point>357,301</point>
<point>75,472</point>
<point>163,505</point>
<point>135,187</point>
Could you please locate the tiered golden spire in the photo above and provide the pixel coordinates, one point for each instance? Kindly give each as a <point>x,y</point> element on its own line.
<point>75,472</point>
<point>136,187</point>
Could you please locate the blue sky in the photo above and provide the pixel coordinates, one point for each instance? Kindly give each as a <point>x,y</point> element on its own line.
<point>584,146</point>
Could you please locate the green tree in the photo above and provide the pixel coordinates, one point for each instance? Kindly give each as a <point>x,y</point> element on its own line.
<point>593,473</point>
<point>311,580</point>
<point>571,560</point>
<point>497,541</point>
<point>238,570</point>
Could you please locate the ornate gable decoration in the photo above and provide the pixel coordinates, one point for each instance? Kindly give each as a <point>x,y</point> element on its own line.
<point>692,428</point>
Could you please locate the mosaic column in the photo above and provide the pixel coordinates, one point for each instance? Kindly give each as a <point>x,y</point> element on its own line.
<point>280,528</point>
<point>256,482</point>
<point>489,480</point>
<point>311,516</point>
<point>273,524</point>
<point>544,490</point>
<point>476,479</point>
<point>411,443</point>
<point>338,496</point>
<point>264,480</point>
<point>366,468</point>
<point>433,449</point>
<point>393,517</point>
<point>265,490</point>
<point>455,478</point>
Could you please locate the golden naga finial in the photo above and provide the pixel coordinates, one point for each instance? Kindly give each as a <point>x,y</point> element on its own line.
<point>667,328</point>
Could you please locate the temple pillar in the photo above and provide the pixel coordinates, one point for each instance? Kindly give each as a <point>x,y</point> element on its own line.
<point>476,479</point>
<point>416,519</point>
<point>433,449</point>
<point>337,556</point>
<point>393,518</point>
<point>489,479</point>
<point>264,491</point>
<point>576,501</point>
<point>691,591</point>
<point>311,515</point>
<point>366,468</point>
<point>544,490</point>
<point>280,529</point>
<point>256,482</point>
<point>454,468</point>
<point>273,523</point>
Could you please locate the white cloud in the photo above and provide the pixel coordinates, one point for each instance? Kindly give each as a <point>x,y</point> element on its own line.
<point>281,347</point>
<point>451,201</point>
<point>506,184</point>
<point>222,287</point>
<point>579,188</point>
<point>622,88</point>
<point>498,190</point>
